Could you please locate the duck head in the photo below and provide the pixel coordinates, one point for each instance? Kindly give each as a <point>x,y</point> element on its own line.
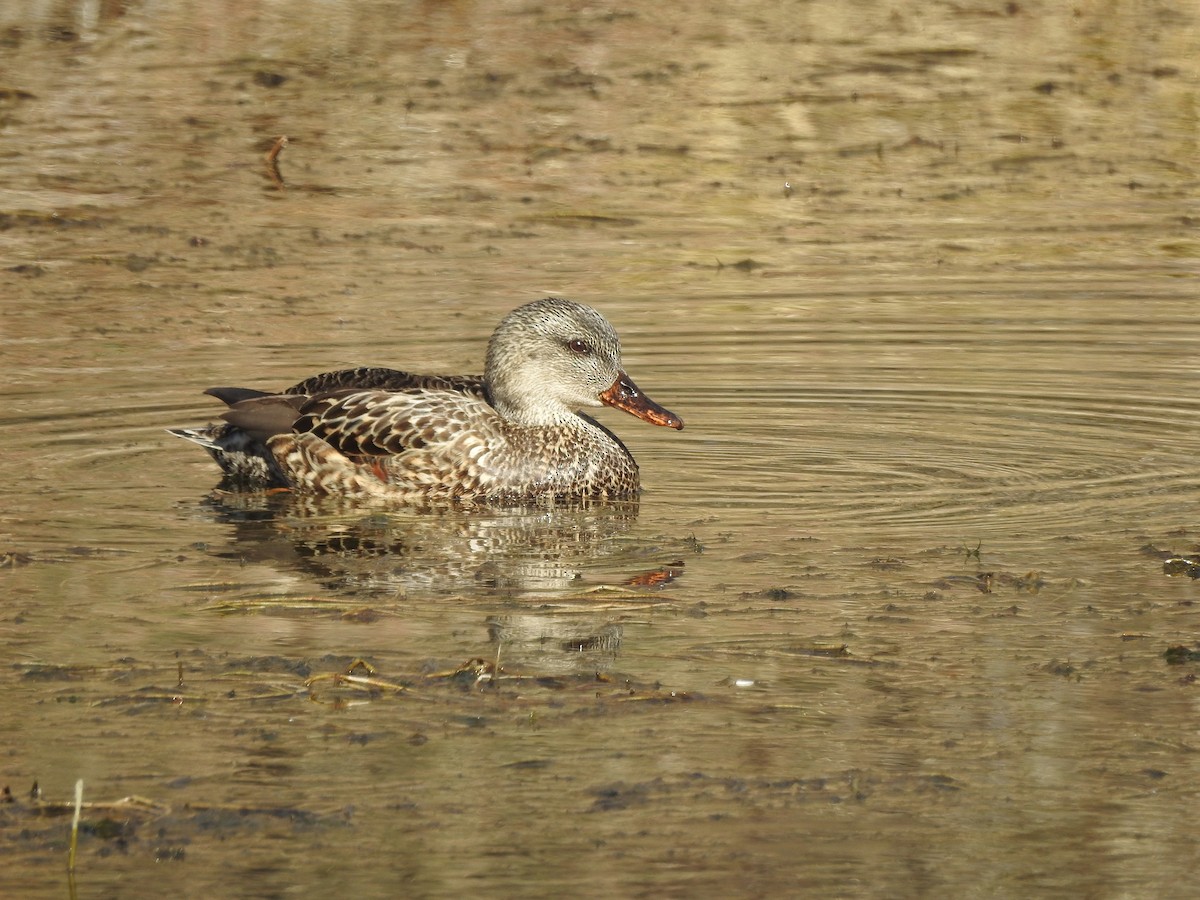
<point>552,357</point>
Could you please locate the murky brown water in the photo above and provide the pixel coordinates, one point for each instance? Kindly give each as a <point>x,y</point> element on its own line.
<point>920,279</point>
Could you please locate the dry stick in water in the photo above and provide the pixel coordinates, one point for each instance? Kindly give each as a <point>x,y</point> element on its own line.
<point>272,160</point>
<point>75,826</point>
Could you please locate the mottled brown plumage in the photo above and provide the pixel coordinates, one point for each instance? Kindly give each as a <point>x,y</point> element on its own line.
<point>513,434</point>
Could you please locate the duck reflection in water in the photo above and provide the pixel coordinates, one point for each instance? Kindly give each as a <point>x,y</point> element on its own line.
<point>440,550</point>
<point>551,557</point>
<point>514,434</point>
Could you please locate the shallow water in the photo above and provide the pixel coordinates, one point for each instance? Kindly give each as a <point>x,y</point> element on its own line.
<point>890,616</point>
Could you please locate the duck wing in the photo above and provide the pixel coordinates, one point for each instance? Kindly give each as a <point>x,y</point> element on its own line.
<point>387,423</point>
<point>378,378</point>
<point>262,415</point>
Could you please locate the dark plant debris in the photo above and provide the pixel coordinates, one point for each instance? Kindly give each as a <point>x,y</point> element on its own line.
<point>1179,654</point>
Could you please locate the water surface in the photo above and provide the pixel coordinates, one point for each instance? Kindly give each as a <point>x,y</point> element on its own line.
<point>890,616</point>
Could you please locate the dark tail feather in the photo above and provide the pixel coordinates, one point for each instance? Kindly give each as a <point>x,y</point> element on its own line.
<point>205,436</point>
<point>245,463</point>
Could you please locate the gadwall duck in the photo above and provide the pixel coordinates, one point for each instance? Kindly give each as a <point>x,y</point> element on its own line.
<point>513,434</point>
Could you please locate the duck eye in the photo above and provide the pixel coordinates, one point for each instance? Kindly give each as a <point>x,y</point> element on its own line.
<point>580,347</point>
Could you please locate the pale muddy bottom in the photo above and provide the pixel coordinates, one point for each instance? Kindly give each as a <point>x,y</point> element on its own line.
<point>891,617</point>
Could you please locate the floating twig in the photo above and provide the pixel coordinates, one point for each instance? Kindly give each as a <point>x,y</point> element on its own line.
<point>75,826</point>
<point>272,160</point>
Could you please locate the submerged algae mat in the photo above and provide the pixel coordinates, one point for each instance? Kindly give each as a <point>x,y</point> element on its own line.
<point>477,695</point>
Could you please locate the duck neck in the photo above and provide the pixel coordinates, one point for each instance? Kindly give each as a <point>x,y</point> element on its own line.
<point>529,408</point>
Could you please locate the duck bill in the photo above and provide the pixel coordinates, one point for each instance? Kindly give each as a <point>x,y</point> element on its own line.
<point>624,394</point>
